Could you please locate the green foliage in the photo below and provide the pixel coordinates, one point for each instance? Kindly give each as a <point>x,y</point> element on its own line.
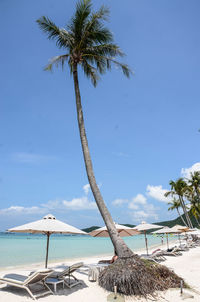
<point>169,223</point>
<point>90,229</point>
<point>87,42</point>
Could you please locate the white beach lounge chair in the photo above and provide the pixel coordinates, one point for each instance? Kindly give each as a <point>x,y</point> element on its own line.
<point>66,275</point>
<point>28,282</point>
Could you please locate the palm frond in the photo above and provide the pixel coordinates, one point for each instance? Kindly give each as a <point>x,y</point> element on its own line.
<point>80,18</point>
<point>94,31</point>
<point>90,72</point>
<point>87,40</point>
<point>106,62</point>
<point>58,60</point>
<point>111,50</point>
<point>62,37</point>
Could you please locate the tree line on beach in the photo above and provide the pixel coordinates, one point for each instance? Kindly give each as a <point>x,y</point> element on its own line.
<point>185,193</point>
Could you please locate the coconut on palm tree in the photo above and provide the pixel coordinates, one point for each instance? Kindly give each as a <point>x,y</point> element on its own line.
<point>88,45</point>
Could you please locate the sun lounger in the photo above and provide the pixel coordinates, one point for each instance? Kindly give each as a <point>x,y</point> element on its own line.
<point>172,253</point>
<point>153,257</point>
<point>66,275</point>
<point>27,282</point>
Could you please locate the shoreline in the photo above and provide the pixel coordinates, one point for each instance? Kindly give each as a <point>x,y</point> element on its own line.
<point>84,259</point>
<point>187,266</point>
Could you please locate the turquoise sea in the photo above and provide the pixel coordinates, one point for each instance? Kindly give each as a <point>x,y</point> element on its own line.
<point>18,249</point>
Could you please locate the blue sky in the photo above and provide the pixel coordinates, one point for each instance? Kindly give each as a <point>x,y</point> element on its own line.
<point>142,132</point>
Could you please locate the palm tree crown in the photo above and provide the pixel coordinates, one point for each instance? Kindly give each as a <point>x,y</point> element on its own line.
<point>87,41</point>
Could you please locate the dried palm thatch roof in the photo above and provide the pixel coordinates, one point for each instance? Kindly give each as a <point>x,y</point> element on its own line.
<point>132,276</point>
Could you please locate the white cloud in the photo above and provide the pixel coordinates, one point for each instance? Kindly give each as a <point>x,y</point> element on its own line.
<point>22,210</point>
<point>133,206</point>
<point>139,208</point>
<point>79,204</point>
<point>52,204</point>
<point>30,158</point>
<point>157,192</point>
<point>185,172</point>
<point>121,154</point>
<point>139,199</point>
<point>86,188</point>
<point>120,202</point>
<point>147,212</point>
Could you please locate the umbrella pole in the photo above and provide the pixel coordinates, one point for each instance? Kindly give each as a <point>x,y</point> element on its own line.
<point>179,239</point>
<point>47,250</point>
<point>167,242</point>
<point>146,242</point>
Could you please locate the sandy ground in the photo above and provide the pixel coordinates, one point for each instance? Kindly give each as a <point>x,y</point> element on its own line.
<point>187,266</point>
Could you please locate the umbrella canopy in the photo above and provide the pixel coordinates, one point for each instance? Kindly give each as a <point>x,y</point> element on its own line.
<point>163,231</point>
<point>48,225</point>
<point>144,227</point>
<point>178,229</point>
<point>147,226</point>
<point>122,230</point>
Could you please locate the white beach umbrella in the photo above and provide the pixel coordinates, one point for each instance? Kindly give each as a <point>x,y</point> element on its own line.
<point>177,229</point>
<point>48,225</point>
<point>122,230</point>
<point>144,227</point>
<point>163,231</point>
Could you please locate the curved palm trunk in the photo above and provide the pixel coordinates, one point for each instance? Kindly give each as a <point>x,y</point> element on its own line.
<point>196,219</point>
<point>189,224</point>
<point>197,193</point>
<point>119,245</point>
<point>181,216</point>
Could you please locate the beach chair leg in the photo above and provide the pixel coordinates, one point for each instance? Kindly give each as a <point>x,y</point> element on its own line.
<point>49,290</point>
<point>30,293</point>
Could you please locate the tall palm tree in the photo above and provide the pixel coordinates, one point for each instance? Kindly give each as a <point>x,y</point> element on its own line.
<point>195,209</point>
<point>194,182</point>
<point>179,188</point>
<point>175,204</point>
<point>88,44</point>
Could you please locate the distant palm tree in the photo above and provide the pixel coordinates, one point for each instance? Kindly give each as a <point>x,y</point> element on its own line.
<point>179,188</point>
<point>195,209</point>
<point>194,181</point>
<point>175,204</point>
<point>88,44</point>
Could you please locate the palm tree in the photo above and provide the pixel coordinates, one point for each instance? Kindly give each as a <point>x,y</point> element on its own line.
<point>179,188</point>
<point>175,204</point>
<point>89,45</point>
<point>194,182</point>
<point>195,209</point>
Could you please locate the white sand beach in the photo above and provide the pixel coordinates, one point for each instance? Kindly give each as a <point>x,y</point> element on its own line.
<point>187,266</point>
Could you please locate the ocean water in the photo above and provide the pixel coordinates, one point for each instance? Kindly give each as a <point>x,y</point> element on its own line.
<point>18,249</point>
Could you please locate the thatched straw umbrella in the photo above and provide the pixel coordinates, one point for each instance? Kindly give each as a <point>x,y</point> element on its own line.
<point>48,225</point>
<point>145,227</point>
